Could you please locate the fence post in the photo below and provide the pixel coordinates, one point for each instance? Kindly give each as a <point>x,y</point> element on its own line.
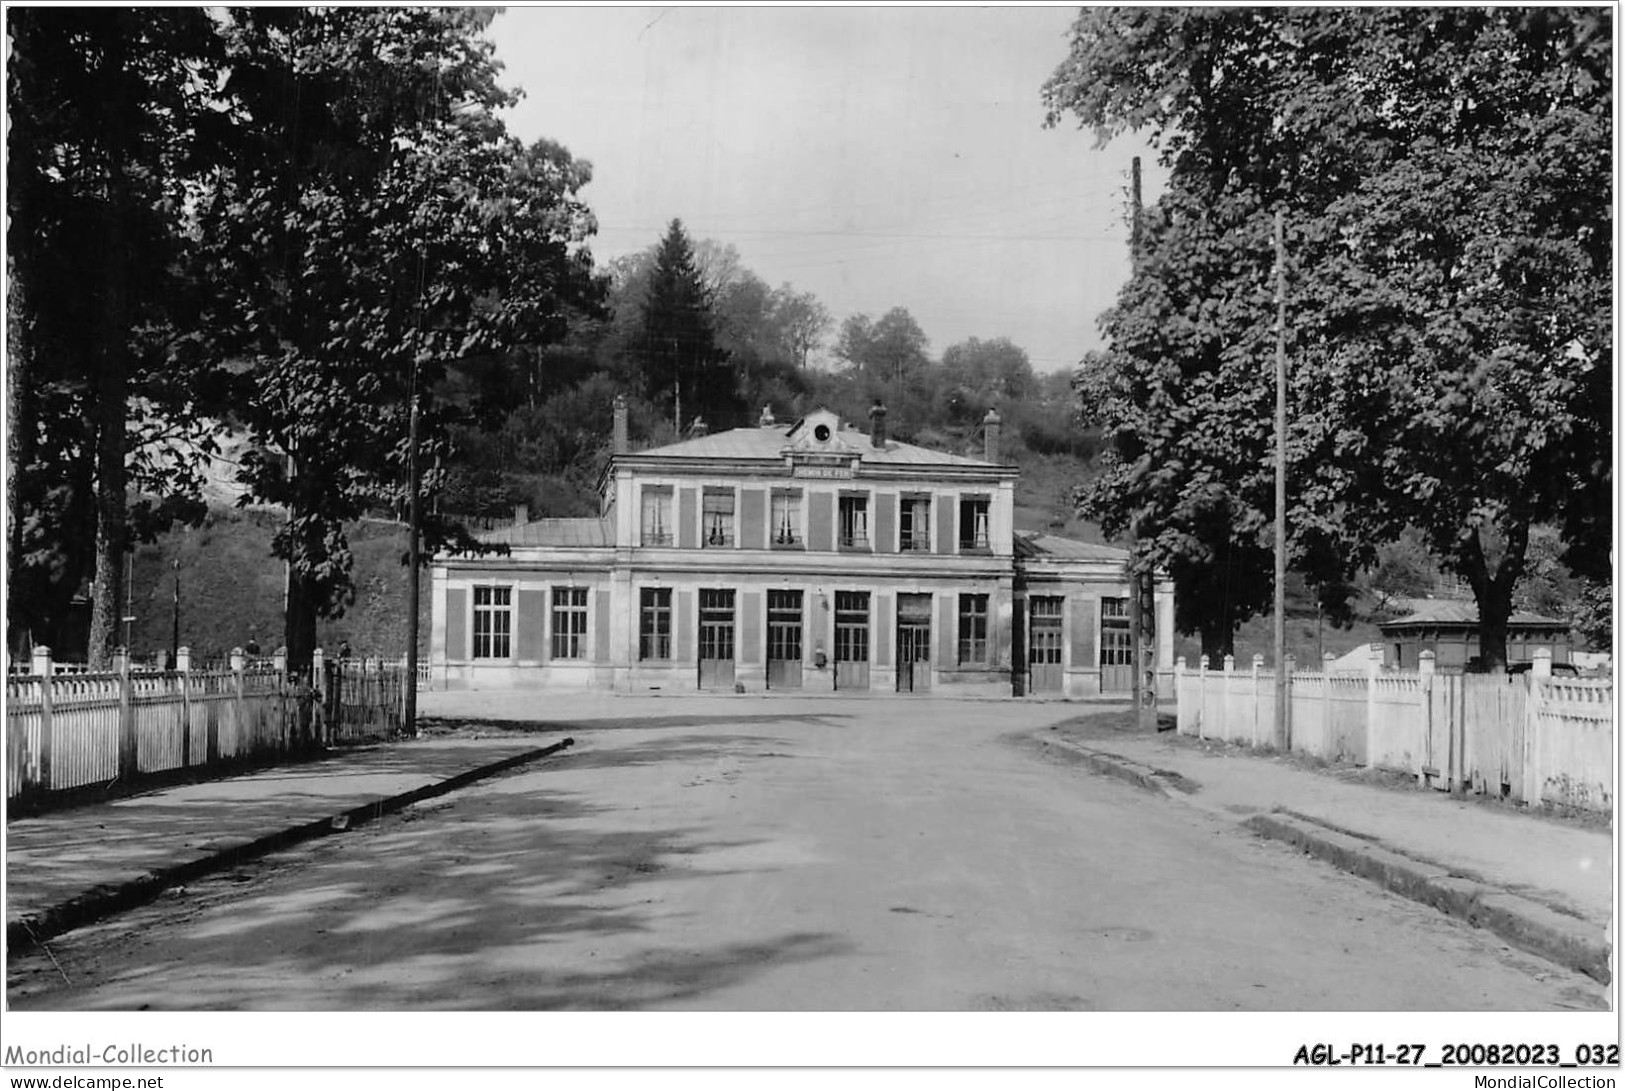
<point>238,663</point>
<point>1542,666</point>
<point>1179,691</point>
<point>1372,667</point>
<point>318,682</point>
<point>1424,674</point>
<point>42,667</point>
<point>1227,700</point>
<point>183,668</point>
<point>1201,694</point>
<point>1258,700</point>
<point>1331,744</point>
<point>1286,697</point>
<point>126,715</point>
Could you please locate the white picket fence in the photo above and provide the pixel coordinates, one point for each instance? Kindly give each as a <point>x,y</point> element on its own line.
<point>72,729</point>
<point>1531,738</point>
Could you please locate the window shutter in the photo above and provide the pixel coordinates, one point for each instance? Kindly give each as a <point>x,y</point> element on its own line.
<point>683,626</point>
<point>884,633</point>
<point>753,519</point>
<point>885,539</point>
<point>1083,631</point>
<point>688,518</point>
<point>530,639</point>
<point>601,640</point>
<point>821,521</point>
<point>457,624</point>
<point>748,648</point>
<point>945,513</point>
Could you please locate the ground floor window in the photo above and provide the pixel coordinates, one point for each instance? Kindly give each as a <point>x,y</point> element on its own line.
<point>972,630</point>
<point>493,622</point>
<point>654,623</point>
<point>569,622</point>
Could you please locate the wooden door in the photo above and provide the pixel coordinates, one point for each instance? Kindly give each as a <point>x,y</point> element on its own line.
<point>784,640</point>
<point>1045,670</point>
<point>913,643</point>
<point>716,639</point>
<point>851,640</point>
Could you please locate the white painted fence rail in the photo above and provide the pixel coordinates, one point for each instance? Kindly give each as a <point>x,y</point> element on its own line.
<point>1533,738</point>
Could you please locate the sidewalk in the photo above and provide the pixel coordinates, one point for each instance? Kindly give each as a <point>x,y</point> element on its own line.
<point>70,867</point>
<point>1542,885</point>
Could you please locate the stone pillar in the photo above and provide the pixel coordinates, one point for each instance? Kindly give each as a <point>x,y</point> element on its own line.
<point>1424,672</point>
<point>42,661</point>
<point>1201,697</point>
<point>183,669</point>
<point>1373,668</point>
<point>1542,666</point>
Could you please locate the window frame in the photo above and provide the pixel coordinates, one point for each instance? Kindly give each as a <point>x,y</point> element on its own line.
<point>909,538</point>
<point>497,637</point>
<point>973,644</point>
<point>794,521</point>
<point>657,493</point>
<point>572,637</point>
<point>728,536</point>
<point>654,606</point>
<point>970,504</point>
<point>852,542</point>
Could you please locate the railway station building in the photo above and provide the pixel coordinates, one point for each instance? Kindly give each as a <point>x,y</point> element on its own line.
<point>795,558</point>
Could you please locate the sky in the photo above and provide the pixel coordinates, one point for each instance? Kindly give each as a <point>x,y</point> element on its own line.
<point>876,157</point>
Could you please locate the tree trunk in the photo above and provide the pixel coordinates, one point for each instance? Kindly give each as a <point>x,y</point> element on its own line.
<point>112,396</point>
<point>19,429</point>
<point>1492,590</point>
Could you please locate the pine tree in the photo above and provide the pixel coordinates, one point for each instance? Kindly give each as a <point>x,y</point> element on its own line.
<point>684,370</point>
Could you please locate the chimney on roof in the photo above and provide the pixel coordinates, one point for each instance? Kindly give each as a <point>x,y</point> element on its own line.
<point>699,428</point>
<point>766,420</point>
<point>877,424</point>
<point>990,435</point>
<point>521,514</point>
<point>618,441</point>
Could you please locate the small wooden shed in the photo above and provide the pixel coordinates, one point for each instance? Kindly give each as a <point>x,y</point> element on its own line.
<point>1449,629</point>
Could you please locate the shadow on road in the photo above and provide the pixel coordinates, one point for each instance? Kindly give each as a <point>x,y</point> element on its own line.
<point>487,900</point>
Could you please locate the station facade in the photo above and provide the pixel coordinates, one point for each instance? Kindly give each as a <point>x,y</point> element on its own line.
<point>804,558</point>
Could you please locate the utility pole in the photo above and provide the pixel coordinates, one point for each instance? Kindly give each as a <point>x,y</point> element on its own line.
<point>1282,721</point>
<point>175,630</point>
<point>1142,613</point>
<point>410,712</point>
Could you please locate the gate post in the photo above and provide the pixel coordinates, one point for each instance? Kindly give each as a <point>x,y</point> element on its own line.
<point>1424,672</point>
<point>126,715</point>
<point>1201,697</point>
<point>42,667</point>
<point>183,667</point>
<point>238,662</point>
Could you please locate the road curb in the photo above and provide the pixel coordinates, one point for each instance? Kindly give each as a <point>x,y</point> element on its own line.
<point>1145,777</point>
<point>1521,922</point>
<point>110,898</point>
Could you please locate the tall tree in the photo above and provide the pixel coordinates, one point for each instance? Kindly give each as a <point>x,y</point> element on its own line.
<point>684,368</point>
<point>1445,175</point>
<point>801,320</point>
<point>379,223</point>
<point>110,118</point>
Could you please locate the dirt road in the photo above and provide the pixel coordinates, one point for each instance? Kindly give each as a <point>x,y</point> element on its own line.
<point>813,855</point>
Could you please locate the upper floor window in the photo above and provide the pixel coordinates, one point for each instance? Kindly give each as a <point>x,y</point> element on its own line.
<point>717,519</point>
<point>974,514</point>
<point>785,519</point>
<point>569,622</point>
<point>493,622</point>
<point>656,515</point>
<point>854,520</point>
<point>914,524</point>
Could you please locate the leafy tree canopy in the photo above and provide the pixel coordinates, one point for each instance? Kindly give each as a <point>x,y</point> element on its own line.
<point>1445,177</point>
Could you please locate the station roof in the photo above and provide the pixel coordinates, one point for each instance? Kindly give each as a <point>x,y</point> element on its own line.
<point>769,442</point>
<point>1456,612</point>
<point>581,533</point>
<point>1041,546</point>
